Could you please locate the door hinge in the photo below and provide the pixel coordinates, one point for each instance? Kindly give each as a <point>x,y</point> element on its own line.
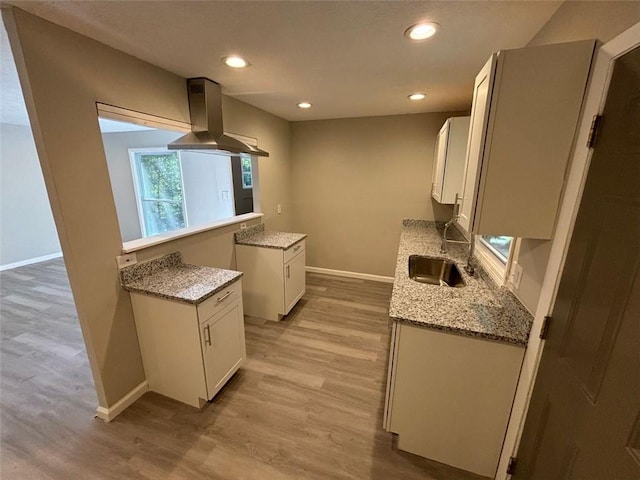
<point>511,466</point>
<point>544,331</point>
<point>594,130</point>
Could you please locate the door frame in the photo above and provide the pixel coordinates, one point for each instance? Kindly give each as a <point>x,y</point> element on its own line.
<point>572,195</point>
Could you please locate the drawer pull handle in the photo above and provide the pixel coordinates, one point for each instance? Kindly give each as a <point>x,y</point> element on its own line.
<point>288,271</point>
<point>207,335</point>
<point>295,249</point>
<point>224,297</point>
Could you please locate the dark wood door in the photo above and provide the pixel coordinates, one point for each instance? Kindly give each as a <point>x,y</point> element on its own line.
<point>584,418</point>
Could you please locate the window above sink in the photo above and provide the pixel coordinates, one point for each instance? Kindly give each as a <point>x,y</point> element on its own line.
<point>494,253</point>
<point>499,246</point>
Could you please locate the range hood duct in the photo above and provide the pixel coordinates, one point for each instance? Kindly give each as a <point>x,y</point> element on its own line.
<point>205,107</point>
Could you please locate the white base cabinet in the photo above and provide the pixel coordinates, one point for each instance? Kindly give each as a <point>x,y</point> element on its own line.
<point>449,396</point>
<point>274,279</point>
<point>189,352</point>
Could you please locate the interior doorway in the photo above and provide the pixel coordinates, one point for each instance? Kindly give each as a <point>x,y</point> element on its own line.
<point>27,230</point>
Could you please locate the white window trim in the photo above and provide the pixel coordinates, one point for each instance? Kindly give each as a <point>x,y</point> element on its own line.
<point>142,243</point>
<point>497,271</point>
<point>123,115</point>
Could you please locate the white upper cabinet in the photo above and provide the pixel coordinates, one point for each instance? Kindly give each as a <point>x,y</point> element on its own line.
<point>477,133</point>
<point>526,106</point>
<point>449,160</point>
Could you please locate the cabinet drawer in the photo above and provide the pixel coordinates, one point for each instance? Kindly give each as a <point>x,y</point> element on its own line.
<point>212,305</point>
<point>291,252</point>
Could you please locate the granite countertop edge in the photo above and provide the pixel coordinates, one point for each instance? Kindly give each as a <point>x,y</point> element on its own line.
<point>177,298</point>
<point>460,331</point>
<point>169,278</point>
<point>256,236</point>
<point>285,246</point>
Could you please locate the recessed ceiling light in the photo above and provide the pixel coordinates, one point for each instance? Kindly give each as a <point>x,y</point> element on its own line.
<point>304,105</point>
<point>235,61</point>
<point>417,96</point>
<point>422,31</point>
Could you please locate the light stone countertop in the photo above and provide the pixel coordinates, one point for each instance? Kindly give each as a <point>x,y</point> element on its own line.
<point>480,309</point>
<point>167,277</point>
<point>256,236</point>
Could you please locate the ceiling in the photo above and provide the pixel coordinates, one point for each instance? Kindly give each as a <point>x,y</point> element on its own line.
<point>348,58</point>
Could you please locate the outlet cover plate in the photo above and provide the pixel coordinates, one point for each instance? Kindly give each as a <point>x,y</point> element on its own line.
<point>126,260</point>
<point>516,275</point>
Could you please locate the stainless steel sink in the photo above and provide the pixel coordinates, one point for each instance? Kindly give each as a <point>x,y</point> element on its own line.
<point>436,271</point>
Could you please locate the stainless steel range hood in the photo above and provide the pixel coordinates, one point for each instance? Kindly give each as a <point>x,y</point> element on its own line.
<point>205,106</point>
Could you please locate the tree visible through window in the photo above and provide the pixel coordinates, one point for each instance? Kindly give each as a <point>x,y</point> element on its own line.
<point>160,191</point>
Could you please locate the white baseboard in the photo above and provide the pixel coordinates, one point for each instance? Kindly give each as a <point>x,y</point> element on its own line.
<point>108,414</point>
<point>30,261</point>
<point>343,273</point>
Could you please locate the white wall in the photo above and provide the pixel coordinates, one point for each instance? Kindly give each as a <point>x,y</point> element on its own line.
<point>205,177</point>
<point>27,230</point>
<point>584,20</point>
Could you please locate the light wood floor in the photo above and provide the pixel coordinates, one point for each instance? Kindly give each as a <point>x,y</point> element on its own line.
<point>307,405</point>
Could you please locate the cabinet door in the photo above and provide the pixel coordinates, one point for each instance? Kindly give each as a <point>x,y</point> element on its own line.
<point>456,156</point>
<point>169,338</point>
<point>294,280</point>
<point>263,281</point>
<point>477,133</point>
<point>440,162</point>
<point>525,110</point>
<point>452,396</point>
<point>223,347</point>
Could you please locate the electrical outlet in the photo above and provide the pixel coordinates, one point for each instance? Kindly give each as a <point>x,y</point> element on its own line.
<point>279,209</point>
<point>243,226</point>
<point>516,275</point>
<point>126,260</point>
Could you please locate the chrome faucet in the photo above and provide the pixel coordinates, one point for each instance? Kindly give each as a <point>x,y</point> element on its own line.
<point>445,241</point>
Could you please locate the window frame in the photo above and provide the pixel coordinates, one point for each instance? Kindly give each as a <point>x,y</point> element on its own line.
<point>497,253</point>
<point>492,262</point>
<point>246,186</point>
<point>136,186</point>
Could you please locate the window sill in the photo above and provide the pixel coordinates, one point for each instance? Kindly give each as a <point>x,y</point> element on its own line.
<point>494,268</point>
<point>135,245</point>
